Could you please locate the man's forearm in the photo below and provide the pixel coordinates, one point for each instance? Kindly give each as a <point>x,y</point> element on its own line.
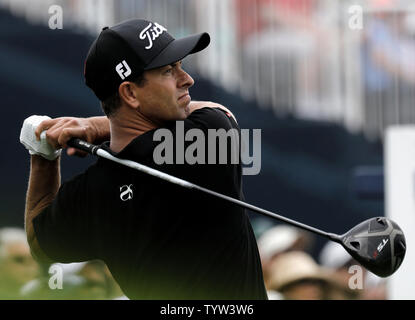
<point>44,182</point>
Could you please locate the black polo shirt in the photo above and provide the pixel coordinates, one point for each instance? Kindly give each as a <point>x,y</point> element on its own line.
<point>159,240</point>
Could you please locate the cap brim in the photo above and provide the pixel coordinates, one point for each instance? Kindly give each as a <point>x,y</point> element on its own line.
<point>180,48</point>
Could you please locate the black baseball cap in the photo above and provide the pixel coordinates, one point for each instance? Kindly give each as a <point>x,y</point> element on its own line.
<point>124,51</point>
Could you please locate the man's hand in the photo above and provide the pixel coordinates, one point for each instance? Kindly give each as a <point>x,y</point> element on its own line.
<point>32,143</point>
<point>60,130</point>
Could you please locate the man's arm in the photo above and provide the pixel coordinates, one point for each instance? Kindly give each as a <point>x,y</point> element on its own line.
<point>44,182</point>
<point>44,179</point>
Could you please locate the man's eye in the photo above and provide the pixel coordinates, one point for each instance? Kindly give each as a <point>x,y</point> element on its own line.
<point>168,70</point>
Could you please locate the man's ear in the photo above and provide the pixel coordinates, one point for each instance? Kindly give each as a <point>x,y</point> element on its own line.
<point>128,94</point>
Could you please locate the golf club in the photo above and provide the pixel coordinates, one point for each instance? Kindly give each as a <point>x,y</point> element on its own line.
<point>378,243</point>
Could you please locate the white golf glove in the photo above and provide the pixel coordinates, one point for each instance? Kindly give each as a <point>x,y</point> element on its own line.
<point>39,147</point>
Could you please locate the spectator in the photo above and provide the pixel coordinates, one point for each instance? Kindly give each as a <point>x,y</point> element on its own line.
<point>298,277</point>
<point>17,266</point>
<point>334,257</point>
<point>388,67</point>
<point>277,240</point>
<point>281,48</point>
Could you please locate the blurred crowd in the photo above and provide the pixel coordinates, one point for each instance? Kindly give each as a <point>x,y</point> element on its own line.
<point>388,48</point>
<point>300,57</point>
<point>290,272</point>
<point>22,278</point>
<point>303,57</point>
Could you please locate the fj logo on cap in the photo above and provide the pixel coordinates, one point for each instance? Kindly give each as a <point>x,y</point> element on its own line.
<point>151,33</point>
<point>121,71</point>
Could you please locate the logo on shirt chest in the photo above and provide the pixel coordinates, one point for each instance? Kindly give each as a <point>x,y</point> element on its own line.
<point>126,192</point>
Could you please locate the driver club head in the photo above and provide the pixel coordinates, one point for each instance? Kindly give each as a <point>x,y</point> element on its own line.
<point>378,244</point>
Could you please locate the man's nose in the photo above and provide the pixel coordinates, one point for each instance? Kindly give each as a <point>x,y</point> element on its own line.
<point>185,80</point>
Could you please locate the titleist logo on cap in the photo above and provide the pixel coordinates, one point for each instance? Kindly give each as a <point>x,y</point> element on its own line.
<point>156,30</point>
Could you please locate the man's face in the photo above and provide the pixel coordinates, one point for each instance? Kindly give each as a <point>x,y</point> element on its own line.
<point>165,95</point>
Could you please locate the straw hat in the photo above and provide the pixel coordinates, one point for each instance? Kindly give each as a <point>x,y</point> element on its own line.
<point>294,266</point>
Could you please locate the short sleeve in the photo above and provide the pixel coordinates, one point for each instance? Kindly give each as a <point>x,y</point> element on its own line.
<point>64,229</point>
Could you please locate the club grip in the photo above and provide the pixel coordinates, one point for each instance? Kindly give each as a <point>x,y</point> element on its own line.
<point>83,145</point>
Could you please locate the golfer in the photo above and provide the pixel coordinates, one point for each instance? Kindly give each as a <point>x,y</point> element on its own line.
<point>160,241</point>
